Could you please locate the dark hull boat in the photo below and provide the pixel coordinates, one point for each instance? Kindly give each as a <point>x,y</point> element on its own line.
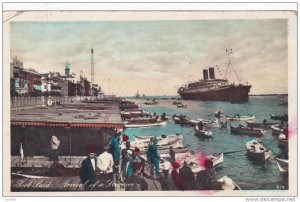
<point>211,88</point>
<point>280,117</point>
<point>267,125</point>
<point>229,93</point>
<point>247,131</point>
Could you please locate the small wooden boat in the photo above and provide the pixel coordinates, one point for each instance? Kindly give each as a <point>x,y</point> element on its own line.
<point>283,165</point>
<point>181,106</point>
<point>147,137</point>
<point>177,103</point>
<point>257,151</point>
<point>283,117</point>
<point>277,129</point>
<point>247,130</point>
<point>238,117</point>
<point>265,125</point>
<point>144,125</point>
<point>182,120</point>
<point>223,181</point>
<point>141,120</point>
<point>203,133</point>
<point>151,102</point>
<point>134,114</point>
<point>168,140</point>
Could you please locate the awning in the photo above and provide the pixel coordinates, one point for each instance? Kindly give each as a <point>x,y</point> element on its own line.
<point>72,125</point>
<point>36,87</point>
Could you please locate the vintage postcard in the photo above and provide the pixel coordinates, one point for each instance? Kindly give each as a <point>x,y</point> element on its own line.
<point>150,103</point>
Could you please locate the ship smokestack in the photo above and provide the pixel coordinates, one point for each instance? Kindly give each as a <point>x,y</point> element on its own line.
<point>205,74</point>
<point>212,73</point>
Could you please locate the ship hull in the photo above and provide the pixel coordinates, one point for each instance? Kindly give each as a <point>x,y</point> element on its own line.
<point>232,93</point>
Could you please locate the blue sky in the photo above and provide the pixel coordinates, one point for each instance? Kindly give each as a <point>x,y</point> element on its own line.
<point>156,57</point>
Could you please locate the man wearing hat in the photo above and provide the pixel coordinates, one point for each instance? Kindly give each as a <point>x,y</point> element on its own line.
<point>187,175</point>
<point>115,151</point>
<point>134,158</point>
<point>54,148</point>
<point>125,155</point>
<point>136,182</point>
<point>105,164</point>
<point>89,166</point>
<point>206,179</point>
<point>154,157</point>
<point>175,175</point>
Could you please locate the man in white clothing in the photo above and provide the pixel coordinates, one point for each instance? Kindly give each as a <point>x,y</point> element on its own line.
<point>105,164</point>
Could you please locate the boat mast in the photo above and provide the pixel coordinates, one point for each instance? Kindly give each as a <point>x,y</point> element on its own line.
<point>230,66</point>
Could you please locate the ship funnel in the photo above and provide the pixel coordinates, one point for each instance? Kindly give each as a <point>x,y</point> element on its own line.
<point>212,73</point>
<point>205,74</point>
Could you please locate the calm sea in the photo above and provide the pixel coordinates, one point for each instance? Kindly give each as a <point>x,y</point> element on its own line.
<point>248,174</point>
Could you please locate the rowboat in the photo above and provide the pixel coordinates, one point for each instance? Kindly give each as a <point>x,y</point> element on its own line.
<point>168,140</point>
<point>203,133</point>
<point>283,165</point>
<point>181,106</point>
<point>283,117</point>
<point>223,181</point>
<point>187,157</point>
<point>177,103</point>
<point>141,120</point>
<point>276,129</point>
<point>247,130</point>
<point>265,125</point>
<point>147,137</point>
<point>144,125</point>
<point>182,120</point>
<point>133,114</point>
<point>151,103</point>
<point>257,151</point>
<point>238,117</point>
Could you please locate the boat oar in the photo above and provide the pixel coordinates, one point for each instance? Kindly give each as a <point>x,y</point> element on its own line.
<point>230,152</point>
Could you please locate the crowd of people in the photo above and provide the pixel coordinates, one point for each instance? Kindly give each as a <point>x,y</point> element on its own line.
<point>127,166</point>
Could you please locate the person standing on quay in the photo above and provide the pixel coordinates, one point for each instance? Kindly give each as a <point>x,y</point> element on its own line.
<point>187,176</point>
<point>105,164</point>
<point>88,167</point>
<point>115,151</point>
<point>153,156</point>
<point>175,175</point>
<point>125,155</point>
<point>134,158</point>
<point>136,182</point>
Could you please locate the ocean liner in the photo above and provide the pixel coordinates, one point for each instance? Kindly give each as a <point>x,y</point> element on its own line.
<point>211,88</point>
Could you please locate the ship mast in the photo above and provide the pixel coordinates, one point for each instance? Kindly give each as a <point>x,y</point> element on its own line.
<point>229,66</point>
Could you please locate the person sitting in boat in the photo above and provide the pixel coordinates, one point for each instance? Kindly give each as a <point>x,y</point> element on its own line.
<point>219,114</point>
<point>206,179</point>
<point>172,154</point>
<point>105,165</point>
<point>89,167</point>
<point>163,116</point>
<point>136,182</point>
<point>175,175</point>
<point>187,176</point>
<point>265,121</point>
<point>154,157</point>
<point>200,125</point>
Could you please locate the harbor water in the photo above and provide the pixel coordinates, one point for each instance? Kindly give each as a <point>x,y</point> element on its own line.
<point>248,174</point>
